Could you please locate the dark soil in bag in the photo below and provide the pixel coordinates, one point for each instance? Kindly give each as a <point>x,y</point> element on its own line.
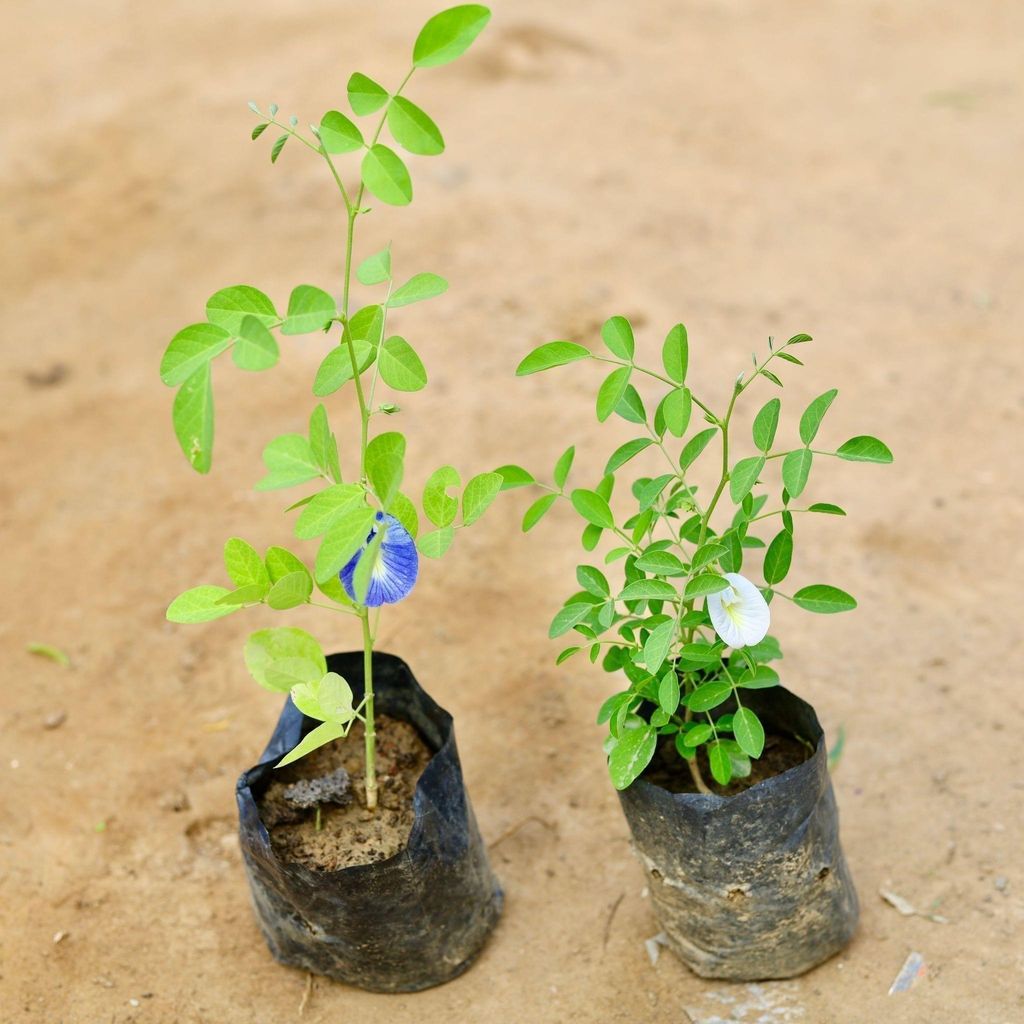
<point>393,902</point>
<point>751,885</point>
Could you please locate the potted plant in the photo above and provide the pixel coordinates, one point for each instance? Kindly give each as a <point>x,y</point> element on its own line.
<point>367,868</point>
<point>722,773</point>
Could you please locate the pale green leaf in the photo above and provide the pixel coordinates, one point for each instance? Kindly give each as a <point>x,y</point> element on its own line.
<point>230,306</point>
<point>375,269</point>
<point>336,368</point>
<point>400,366</point>
<point>192,415</point>
<point>200,604</point>
<point>338,134</point>
<point>554,353</point>
<point>191,349</point>
<point>418,288</point>
<point>364,95</point>
<point>631,755</point>
<point>327,507</point>
<point>438,506</point>
<point>617,334</point>
<point>449,34</point>
<point>386,176</point>
<point>478,495</point>
<point>342,541</point>
<point>290,591</point>
<point>309,309</point>
<point>321,735</point>
<point>413,129</point>
<point>437,542</point>
<point>675,354</point>
<point>256,348</point>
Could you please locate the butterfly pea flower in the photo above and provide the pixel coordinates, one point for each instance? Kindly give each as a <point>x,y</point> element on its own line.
<point>739,613</point>
<point>398,565</point>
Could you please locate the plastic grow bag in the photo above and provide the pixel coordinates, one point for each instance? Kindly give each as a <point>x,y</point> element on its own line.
<point>412,921</point>
<point>753,886</point>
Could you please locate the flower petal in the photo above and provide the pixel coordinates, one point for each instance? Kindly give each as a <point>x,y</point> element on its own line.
<point>739,614</point>
<point>397,567</point>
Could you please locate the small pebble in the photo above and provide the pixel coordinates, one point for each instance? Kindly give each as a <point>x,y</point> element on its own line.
<point>133,1002</point>
<point>1002,882</point>
<point>59,937</point>
<point>55,720</point>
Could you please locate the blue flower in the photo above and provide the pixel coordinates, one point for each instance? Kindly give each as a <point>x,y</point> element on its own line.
<point>398,565</point>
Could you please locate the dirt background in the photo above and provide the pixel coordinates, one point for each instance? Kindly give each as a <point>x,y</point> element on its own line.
<point>852,169</point>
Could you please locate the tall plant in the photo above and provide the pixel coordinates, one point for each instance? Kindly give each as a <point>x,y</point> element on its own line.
<point>367,527</point>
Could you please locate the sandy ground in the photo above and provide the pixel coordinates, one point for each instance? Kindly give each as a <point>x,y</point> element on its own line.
<point>851,169</point>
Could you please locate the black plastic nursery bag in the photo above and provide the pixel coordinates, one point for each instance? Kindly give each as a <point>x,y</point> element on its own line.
<point>752,886</point>
<point>412,921</point>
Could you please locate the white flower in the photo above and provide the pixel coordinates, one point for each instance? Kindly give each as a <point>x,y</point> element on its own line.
<point>739,613</point>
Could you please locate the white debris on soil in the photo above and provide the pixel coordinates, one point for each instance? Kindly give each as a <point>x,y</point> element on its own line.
<point>654,944</point>
<point>907,909</point>
<point>913,970</point>
<point>768,1003</point>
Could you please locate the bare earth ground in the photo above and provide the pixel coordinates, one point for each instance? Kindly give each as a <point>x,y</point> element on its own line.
<point>851,169</point>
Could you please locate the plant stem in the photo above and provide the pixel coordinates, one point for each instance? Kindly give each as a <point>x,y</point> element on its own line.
<point>370,726</point>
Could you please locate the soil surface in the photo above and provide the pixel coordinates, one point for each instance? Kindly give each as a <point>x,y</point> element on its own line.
<point>670,771</point>
<point>349,834</point>
<point>849,168</point>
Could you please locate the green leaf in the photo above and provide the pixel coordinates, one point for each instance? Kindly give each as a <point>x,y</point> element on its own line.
<point>386,176</point>
<point>676,408</point>
<point>448,35</point>
<point>693,447</point>
<point>400,366</point>
<point>593,581</point>
<point>743,477</point>
<point>625,452</point>
<point>365,96</point>
<point>290,591</point>
<point>824,599</point>
<point>49,651</point>
<point>796,467</point>
<point>418,288</point>
<point>326,508</point>
<point>318,737</point>
<point>192,415</point>
<point>190,349</point>
<point>708,553</point>
<point>611,392</point>
<point>405,512</point>
<point>766,422</point>
<point>256,348</point>
<point>328,699</point>
<point>280,562</point>
<point>366,565</point>
<point>554,353</point>
<point>230,306</point>
<point>536,511</point>
<point>720,762</point>
<point>771,376</point>
<point>322,443</point>
<point>514,476</point>
<point>275,150</point>
<point>631,406</point>
<point>761,678</point>
<point>289,460</point>
<point>413,129</point>
<point>668,690</point>
<point>631,755</point>
<point>437,542</point>
<point>617,334</point>
<point>656,649</point>
<point>648,590</point>
<point>864,449</point>
<point>778,557</point>
<point>567,617</point>
<point>661,563</point>
<point>438,506</point>
<point>825,508</point>
<point>244,566</point>
<point>338,134</point>
<point>709,695</point>
<point>267,647</point>
<point>385,473</point>
<point>698,734</point>
<point>200,604</point>
<point>811,419</point>
<point>250,594</point>
<point>701,653</point>
<point>342,541</point>
<point>336,368</point>
<point>375,269</point>
<point>259,130</point>
<point>478,495</point>
<point>704,584</point>
<point>749,732</point>
<point>593,508</point>
<point>367,325</point>
<point>309,309</point>
<point>675,353</point>
<point>563,466</point>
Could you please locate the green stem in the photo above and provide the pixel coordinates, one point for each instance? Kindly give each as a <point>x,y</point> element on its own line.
<point>370,727</point>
